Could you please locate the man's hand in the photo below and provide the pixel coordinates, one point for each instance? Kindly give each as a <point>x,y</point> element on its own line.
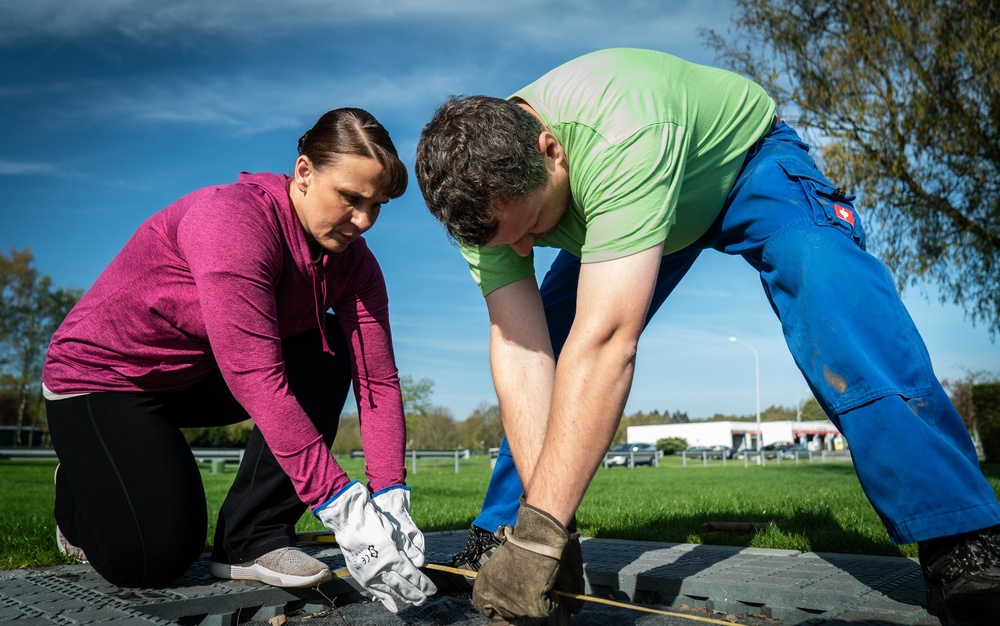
<point>367,539</point>
<point>519,579</point>
<point>570,577</point>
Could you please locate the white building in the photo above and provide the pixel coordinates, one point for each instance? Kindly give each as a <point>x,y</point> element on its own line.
<point>818,435</point>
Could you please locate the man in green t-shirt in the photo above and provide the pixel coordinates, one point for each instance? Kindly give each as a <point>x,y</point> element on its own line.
<point>632,162</point>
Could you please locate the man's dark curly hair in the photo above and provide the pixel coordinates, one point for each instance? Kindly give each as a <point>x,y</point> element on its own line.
<point>477,151</point>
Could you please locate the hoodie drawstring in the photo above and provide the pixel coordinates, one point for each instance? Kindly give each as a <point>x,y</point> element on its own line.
<point>319,295</point>
<point>318,269</point>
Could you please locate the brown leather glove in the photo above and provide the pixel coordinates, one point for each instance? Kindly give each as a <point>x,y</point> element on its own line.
<point>518,580</point>
<point>570,577</point>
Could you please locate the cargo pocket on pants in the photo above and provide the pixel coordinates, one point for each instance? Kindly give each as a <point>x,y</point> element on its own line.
<point>831,206</point>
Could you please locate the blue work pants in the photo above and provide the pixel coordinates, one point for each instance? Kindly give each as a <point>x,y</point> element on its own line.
<point>847,330</point>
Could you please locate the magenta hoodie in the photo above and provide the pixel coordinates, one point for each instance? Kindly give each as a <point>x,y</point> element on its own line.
<point>217,280</point>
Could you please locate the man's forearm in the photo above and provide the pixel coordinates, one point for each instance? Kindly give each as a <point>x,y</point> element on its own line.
<point>523,383</point>
<point>523,369</point>
<point>593,378</point>
<point>592,385</point>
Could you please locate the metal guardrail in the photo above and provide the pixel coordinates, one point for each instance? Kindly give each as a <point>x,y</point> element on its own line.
<point>228,455</point>
<point>763,457</point>
<point>423,454</point>
<point>28,454</point>
<point>413,455</point>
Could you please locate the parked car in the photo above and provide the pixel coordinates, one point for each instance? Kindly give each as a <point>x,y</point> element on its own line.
<point>621,454</point>
<point>797,449</point>
<point>770,451</point>
<point>712,452</point>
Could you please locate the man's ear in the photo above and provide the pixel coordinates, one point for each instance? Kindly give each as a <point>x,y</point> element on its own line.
<point>551,148</point>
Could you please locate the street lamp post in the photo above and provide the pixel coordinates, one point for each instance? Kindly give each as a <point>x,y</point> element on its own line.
<point>756,368</point>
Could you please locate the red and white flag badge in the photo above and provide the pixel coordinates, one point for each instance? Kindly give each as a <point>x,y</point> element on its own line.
<point>844,213</point>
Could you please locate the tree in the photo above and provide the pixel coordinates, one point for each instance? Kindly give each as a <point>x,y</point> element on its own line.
<point>906,95</point>
<point>416,395</point>
<point>679,417</point>
<point>30,311</point>
<point>960,393</point>
<point>986,401</point>
<point>229,436</point>
<point>777,413</point>
<point>812,412</point>
<point>434,430</point>
<point>348,435</point>
<point>483,429</point>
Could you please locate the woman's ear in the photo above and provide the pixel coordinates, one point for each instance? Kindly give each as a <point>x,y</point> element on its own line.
<point>303,173</point>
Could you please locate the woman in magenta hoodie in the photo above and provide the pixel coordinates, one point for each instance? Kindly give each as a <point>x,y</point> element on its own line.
<point>217,311</point>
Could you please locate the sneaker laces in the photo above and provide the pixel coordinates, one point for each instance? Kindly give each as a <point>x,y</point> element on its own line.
<point>977,551</point>
<point>481,542</point>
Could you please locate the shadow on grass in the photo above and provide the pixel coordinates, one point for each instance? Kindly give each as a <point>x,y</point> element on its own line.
<point>762,513</point>
<point>859,554</point>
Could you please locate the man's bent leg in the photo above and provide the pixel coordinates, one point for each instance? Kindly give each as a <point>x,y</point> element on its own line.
<point>849,333</point>
<point>867,366</point>
<point>501,501</point>
<point>854,342</point>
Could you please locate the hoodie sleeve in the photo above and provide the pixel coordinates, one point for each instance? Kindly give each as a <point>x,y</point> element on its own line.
<point>363,311</point>
<point>235,252</point>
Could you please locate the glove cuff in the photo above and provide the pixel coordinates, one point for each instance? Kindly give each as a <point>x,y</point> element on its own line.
<point>338,499</point>
<point>538,532</point>
<point>388,489</point>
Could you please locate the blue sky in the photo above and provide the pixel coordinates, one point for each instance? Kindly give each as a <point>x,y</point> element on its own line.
<point>114,108</point>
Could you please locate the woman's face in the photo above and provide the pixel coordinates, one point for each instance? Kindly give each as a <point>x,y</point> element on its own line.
<point>340,202</point>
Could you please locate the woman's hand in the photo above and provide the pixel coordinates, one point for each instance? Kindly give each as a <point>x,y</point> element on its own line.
<point>394,503</point>
<point>373,548</point>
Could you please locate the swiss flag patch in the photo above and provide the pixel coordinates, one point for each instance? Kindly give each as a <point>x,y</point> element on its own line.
<point>844,213</point>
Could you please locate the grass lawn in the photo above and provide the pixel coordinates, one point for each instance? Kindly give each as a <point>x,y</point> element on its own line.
<point>808,507</point>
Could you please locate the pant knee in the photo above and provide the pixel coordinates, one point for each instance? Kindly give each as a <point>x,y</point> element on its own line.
<point>140,568</point>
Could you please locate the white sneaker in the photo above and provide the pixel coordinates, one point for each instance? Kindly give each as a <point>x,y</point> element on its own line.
<point>61,542</point>
<point>69,549</point>
<point>284,567</point>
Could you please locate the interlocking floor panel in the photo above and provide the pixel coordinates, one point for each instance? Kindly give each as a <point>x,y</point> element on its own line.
<point>750,586</point>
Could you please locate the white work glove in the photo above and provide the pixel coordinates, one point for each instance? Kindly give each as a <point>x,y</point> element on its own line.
<point>365,536</point>
<point>394,502</point>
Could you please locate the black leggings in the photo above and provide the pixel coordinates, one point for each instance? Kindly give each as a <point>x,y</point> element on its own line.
<point>129,492</point>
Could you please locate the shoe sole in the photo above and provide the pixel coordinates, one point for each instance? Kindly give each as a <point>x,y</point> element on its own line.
<point>264,575</point>
<point>70,550</point>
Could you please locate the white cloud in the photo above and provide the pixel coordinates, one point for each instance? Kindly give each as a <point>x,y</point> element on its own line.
<point>553,25</point>
<point>246,104</point>
<point>279,90</point>
<point>21,168</point>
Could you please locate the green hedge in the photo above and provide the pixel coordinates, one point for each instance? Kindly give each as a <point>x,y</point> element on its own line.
<point>671,445</point>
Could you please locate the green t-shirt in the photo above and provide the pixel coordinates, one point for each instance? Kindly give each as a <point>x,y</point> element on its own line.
<point>654,144</point>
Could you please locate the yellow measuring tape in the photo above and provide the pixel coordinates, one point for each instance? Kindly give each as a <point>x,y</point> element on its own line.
<point>623,605</point>
<point>327,537</point>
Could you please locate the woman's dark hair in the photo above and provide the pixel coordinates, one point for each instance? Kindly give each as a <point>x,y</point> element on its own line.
<point>355,132</point>
<point>477,151</point>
